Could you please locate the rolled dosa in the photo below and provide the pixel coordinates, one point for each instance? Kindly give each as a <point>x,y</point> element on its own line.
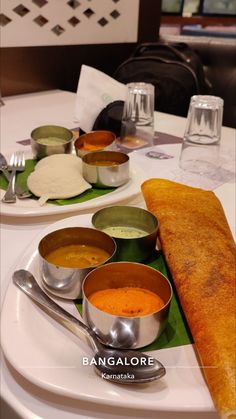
<point>200,252</point>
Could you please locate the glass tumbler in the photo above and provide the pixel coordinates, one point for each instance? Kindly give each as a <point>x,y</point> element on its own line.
<point>137,128</point>
<point>201,142</point>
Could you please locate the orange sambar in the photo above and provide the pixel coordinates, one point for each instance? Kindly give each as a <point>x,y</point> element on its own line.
<point>127,301</point>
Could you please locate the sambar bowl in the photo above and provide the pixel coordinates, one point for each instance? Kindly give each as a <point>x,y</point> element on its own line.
<point>106,169</point>
<point>122,330</point>
<point>134,230</point>
<point>101,140</point>
<point>63,263</point>
<point>51,139</point>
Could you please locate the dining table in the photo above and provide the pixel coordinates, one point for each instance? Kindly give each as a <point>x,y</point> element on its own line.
<point>20,227</point>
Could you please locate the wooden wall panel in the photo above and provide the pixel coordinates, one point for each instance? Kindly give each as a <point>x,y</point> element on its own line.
<point>31,69</point>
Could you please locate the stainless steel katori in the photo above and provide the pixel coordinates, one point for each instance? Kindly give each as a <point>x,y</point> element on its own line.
<point>114,361</point>
<point>51,139</point>
<point>120,331</point>
<point>94,141</point>
<point>62,281</point>
<point>134,249</point>
<point>106,168</point>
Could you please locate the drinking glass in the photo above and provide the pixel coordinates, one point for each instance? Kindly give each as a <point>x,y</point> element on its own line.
<point>201,142</point>
<point>137,127</point>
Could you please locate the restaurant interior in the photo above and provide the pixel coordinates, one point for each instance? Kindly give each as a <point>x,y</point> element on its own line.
<point>152,203</point>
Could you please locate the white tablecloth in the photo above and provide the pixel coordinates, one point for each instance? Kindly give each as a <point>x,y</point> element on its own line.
<point>19,116</point>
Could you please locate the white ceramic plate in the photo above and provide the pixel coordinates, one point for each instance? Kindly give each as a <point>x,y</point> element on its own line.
<point>30,207</point>
<point>50,357</point>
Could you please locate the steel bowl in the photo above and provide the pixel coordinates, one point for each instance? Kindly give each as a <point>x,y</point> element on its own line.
<point>94,141</point>
<point>62,281</point>
<point>48,132</point>
<point>120,331</point>
<point>135,249</point>
<point>99,173</point>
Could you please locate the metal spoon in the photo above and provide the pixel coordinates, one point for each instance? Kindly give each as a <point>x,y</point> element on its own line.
<point>120,366</point>
<point>21,194</point>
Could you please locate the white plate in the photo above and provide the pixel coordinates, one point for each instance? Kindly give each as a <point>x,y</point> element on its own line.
<point>30,207</point>
<point>50,357</point>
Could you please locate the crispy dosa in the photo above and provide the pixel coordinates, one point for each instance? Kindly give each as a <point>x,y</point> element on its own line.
<point>200,252</point>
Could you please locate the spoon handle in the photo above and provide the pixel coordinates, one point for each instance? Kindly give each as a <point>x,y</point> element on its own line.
<point>27,283</point>
<point>10,195</point>
<point>21,194</point>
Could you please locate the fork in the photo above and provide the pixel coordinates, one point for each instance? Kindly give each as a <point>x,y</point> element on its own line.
<point>17,164</point>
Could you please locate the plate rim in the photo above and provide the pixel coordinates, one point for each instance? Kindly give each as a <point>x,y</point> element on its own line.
<point>129,190</point>
<point>51,387</point>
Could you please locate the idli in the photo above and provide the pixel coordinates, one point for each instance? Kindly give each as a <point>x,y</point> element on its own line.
<point>56,182</point>
<point>62,160</point>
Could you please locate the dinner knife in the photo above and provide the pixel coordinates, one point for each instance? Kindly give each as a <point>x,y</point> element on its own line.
<point>21,194</point>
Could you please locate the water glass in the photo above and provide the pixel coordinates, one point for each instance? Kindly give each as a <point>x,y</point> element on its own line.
<point>137,128</point>
<point>201,142</point>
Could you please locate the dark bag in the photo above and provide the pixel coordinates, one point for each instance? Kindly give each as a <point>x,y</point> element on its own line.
<point>110,118</point>
<point>175,70</point>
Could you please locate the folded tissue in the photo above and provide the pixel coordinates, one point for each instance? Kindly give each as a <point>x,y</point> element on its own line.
<point>95,91</point>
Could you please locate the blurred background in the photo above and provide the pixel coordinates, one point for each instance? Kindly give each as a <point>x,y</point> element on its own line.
<point>45,42</point>
<point>199,17</point>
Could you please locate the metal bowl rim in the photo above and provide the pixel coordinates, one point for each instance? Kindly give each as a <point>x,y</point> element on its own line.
<point>129,317</point>
<point>88,267</point>
<point>104,151</point>
<point>128,206</point>
<point>51,126</point>
<point>81,152</point>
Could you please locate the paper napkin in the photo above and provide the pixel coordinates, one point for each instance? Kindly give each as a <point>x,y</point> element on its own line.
<point>95,91</point>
